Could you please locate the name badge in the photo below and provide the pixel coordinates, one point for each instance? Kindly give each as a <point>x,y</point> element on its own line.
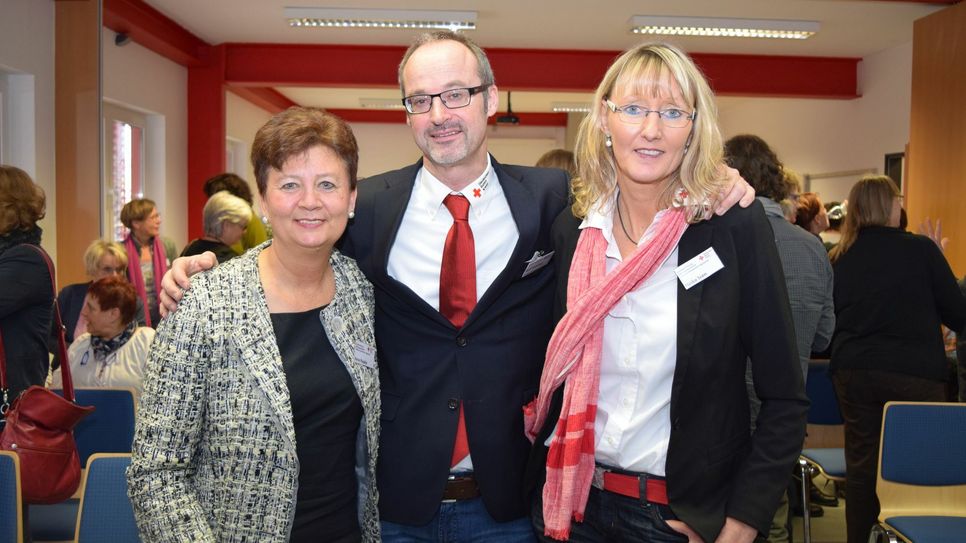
<point>364,354</point>
<point>698,268</point>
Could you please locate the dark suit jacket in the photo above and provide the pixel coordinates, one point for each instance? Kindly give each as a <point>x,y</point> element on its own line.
<point>714,467</point>
<point>427,366</point>
<point>71,301</point>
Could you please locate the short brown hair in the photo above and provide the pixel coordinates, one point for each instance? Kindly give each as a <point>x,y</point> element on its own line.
<point>22,202</point>
<point>114,291</point>
<point>296,130</point>
<point>483,68</point>
<point>561,159</point>
<point>136,210</point>
<point>230,182</point>
<point>758,164</point>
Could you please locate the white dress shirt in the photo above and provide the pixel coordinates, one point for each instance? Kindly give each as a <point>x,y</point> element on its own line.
<point>417,252</point>
<point>122,368</point>
<point>633,425</point>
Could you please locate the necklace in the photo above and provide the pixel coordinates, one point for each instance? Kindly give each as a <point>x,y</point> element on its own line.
<point>620,218</point>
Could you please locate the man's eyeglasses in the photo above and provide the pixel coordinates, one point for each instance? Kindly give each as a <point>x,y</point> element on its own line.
<point>452,99</point>
<point>635,114</point>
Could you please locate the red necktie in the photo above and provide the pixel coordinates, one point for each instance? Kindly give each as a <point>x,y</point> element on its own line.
<point>457,288</point>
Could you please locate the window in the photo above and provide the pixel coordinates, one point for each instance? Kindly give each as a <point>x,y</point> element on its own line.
<point>124,165</point>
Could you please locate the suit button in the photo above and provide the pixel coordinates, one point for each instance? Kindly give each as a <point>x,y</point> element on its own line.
<point>461,341</point>
<point>452,404</point>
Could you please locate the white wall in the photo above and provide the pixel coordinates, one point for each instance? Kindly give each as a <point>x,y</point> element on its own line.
<point>242,120</point>
<point>139,79</point>
<point>27,86</point>
<point>824,136</point>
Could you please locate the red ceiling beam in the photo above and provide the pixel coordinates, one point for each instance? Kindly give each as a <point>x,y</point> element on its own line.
<point>534,69</point>
<point>266,98</point>
<point>154,30</point>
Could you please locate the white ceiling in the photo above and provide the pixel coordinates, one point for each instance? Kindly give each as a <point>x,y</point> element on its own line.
<point>849,28</point>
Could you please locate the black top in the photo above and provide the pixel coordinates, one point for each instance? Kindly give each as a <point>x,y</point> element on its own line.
<point>892,291</point>
<point>326,412</point>
<point>26,309</point>
<point>222,252</point>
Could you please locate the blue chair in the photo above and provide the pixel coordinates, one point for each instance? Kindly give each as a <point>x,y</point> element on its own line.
<point>106,515</point>
<point>109,429</point>
<point>824,410</point>
<point>830,462</point>
<point>921,481</point>
<point>11,506</point>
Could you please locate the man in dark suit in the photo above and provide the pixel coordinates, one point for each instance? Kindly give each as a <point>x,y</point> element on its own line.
<point>481,367</point>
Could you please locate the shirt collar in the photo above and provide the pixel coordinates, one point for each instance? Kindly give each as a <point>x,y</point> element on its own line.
<point>772,207</point>
<point>601,216</point>
<point>430,192</point>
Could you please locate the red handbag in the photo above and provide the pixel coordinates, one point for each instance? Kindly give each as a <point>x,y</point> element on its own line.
<point>39,427</point>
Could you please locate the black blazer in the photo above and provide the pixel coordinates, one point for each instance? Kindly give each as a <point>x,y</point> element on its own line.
<point>427,366</point>
<point>26,307</point>
<point>715,468</point>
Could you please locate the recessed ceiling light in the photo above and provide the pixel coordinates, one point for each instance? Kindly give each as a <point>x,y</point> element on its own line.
<point>380,18</point>
<point>380,103</point>
<point>722,27</point>
<point>570,107</point>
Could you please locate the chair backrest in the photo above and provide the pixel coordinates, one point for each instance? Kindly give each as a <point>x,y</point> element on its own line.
<point>824,408</point>
<point>106,514</point>
<point>922,459</point>
<point>110,428</point>
<point>11,506</point>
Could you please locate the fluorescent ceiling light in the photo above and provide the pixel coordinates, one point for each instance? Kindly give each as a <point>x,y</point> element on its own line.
<point>570,107</point>
<point>380,103</point>
<point>721,27</point>
<point>380,18</point>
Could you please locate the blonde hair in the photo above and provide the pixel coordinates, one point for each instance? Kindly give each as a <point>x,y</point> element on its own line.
<point>96,251</point>
<point>870,204</point>
<point>646,69</point>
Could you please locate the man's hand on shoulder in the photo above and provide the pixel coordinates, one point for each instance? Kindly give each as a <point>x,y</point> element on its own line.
<point>735,191</point>
<point>175,280</point>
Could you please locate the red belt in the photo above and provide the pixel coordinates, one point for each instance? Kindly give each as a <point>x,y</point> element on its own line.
<point>630,485</point>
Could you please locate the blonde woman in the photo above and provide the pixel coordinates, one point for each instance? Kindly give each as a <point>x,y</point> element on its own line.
<point>665,303</point>
<point>893,289</point>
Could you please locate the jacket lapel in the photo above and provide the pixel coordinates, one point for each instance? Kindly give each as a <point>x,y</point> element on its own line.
<point>390,206</point>
<point>259,350</point>
<point>696,239</point>
<point>527,217</point>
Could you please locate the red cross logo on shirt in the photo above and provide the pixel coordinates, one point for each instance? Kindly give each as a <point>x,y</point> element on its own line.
<point>477,193</point>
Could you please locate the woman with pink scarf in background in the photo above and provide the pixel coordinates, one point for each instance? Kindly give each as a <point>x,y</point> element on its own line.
<point>148,254</point>
<point>641,424</point>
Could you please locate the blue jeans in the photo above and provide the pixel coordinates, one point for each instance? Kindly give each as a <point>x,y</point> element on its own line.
<point>463,521</point>
<point>611,517</point>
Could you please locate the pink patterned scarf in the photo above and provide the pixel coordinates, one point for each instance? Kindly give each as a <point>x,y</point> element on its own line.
<point>574,355</point>
<point>160,262</point>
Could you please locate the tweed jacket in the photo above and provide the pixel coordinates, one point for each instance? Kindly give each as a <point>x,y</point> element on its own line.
<point>214,455</point>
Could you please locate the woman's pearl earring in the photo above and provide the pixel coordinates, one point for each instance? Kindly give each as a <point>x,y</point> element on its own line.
<point>608,142</point>
<point>352,214</point>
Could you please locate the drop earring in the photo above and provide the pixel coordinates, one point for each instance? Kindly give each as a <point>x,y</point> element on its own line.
<point>607,141</point>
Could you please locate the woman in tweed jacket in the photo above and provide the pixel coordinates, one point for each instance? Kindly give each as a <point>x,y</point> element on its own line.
<point>228,445</point>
